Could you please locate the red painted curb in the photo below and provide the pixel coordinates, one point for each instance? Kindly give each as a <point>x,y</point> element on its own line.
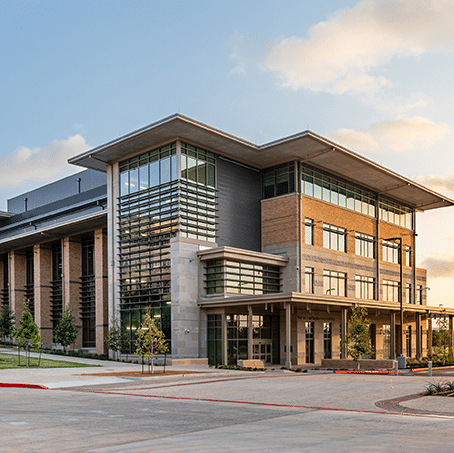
<point>365,372</point>
<point>24,386</point>
<point>433,368</point>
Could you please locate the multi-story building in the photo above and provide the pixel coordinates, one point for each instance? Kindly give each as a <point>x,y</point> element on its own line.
<point>239,251</point>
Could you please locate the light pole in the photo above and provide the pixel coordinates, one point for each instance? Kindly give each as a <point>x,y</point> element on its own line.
<point>401,278</point>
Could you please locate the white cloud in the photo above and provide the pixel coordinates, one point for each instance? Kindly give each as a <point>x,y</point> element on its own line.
<point>439,266</point>
<point>403,134</point>
<point>399,135</point>
<point>437,183</point>
<point>355,140</point>
<point>41,164</point>
<point>340,53</point>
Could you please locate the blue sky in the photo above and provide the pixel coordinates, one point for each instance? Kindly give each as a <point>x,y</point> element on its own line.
<point>375,76</point>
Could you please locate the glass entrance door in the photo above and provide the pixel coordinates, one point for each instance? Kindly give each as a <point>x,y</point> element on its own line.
<point>262,350</point>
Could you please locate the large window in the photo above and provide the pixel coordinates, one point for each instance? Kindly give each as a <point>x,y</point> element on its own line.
<point>324,186</point>
<point>390,291</point>
<point>309,231</point>
<point>334,283</point>
<point>56,294</point>
<point>237,340</point>
<point>408,296</point>
<point>214,330</point>
<point>394,212</point>
<point>390,252</point>
<point>364,245</point>
<point>279,180</point>
<point>234,277</point>
<point>327,340</point>
<point>88,294</point>
<point>309,280</point>
<point>386,340</point>
<point>364,287</point>
<point>334,237</point>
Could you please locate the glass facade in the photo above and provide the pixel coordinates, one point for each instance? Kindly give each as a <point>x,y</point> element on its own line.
<point>30,281</point>
<point>56,294</point>
<point>214,328</point>
<point>235,277</point>
<point>279,180</point>
<point>163,194</point>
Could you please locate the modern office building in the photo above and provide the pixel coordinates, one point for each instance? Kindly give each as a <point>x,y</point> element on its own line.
<point>239,251</point>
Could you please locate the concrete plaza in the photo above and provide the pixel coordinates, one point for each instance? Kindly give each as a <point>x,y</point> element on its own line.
<point>221,411</point>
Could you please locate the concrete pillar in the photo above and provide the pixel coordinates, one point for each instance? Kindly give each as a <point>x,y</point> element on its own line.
<point>17,283</point>
<point>288,360</point>
<point>429,336</point>
<point>343,334</point>
<point>101,290</point>
<point>72,271</point>
<point>43,278</point>
<point>249,332</point>
<point>392,343</point>
<point>418,336</point>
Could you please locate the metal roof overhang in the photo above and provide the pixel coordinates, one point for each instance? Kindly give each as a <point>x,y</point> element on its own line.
<point>56,231</point>
<point>305,146</point>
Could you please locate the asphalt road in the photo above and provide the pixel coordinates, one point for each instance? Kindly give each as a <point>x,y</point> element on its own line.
<point>255,413</point>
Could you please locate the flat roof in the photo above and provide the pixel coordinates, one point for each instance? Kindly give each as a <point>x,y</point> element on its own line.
<point>306,147</point>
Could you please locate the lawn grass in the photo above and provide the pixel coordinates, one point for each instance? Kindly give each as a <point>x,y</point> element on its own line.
<point>11,361</point>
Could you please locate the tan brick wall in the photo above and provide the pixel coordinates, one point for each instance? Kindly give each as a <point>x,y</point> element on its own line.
<point>280,220</point>
<point>17,283</point>
<point>101,289</point>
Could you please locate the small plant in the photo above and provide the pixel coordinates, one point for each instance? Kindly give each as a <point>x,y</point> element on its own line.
<point>358,339</point>
<point>117,338</point>
<point>6,323</point>
<point>65,331</point>
<point>28,332</point>
<point>150,340</point>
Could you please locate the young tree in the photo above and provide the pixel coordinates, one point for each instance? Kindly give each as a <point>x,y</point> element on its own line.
<point>358,339</point>
<point>442,336</point>
<point>65,331</point>
<point>6,322</point>
<point>28,332</point>
<point>150,340</point>
<point>117,338</point>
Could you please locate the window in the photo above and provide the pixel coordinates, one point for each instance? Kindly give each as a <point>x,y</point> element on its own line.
<point>334,237</point>
<point>327,340</point>
<point>324,186</point>
<point>419,294</point>
<point>390,291</point>
<point>395,212</point>
<point>408,293</point>
<point>364,287</point>
<point>278,180</point>
<point>309,231</point>
<point>234,277</point>
<point>390,252</point>
<point>309,327</point>
<point>309,280</point>
<point>364,245</point>
<point>407,256</point>
<point>334,283</point>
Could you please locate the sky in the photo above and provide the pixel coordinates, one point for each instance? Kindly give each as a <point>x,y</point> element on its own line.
<point>374,76</point>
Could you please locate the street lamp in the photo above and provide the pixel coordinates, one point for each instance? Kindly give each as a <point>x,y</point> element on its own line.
<point>401,278</point>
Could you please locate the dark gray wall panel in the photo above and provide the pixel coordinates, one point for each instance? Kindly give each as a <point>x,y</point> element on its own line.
<point>239,194</point>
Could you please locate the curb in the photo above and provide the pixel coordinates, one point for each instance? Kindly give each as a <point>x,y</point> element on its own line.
<point>365,372</point>
<point>24,386</point>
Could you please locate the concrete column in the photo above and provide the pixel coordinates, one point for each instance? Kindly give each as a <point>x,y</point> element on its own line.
<point>450,333</point>
<point>101,290</point>
<point>43,278</point>
<point>418,335</point>
<point>224,339</point>
<point>392,346</point>
<point>429,336</point>
<point>17,283</point>
<point>343,334</point>
<point>72,271</point>
<point>288,360</point>
<point>249,332</point>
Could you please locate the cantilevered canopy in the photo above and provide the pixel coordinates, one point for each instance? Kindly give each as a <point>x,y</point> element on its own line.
<point>305,146</point>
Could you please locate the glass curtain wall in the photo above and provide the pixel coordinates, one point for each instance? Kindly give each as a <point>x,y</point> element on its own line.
<point>163,194</point>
